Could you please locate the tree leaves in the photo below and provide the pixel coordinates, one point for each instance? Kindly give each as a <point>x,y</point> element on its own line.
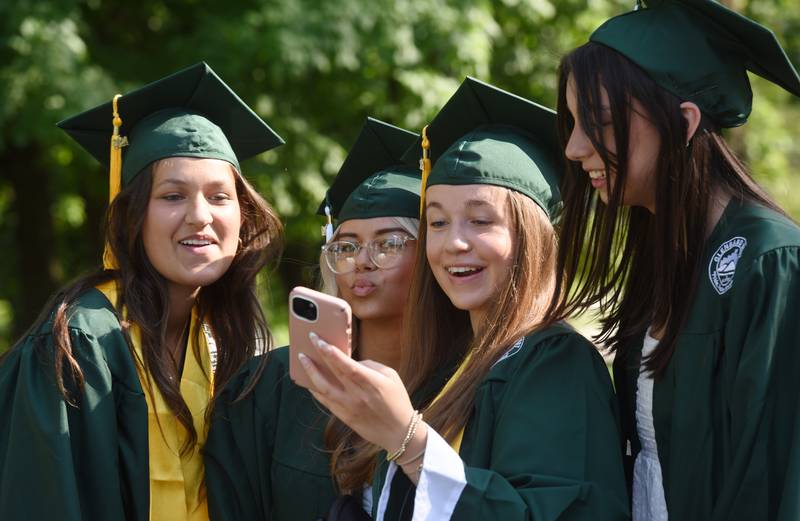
<point>314,69</point>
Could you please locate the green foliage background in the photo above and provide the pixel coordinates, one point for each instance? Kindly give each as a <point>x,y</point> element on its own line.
<point>314,69</point>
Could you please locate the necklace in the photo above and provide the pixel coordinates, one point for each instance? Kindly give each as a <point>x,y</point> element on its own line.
<point>179,352</point>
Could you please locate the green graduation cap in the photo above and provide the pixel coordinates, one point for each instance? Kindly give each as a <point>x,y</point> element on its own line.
<point>700,51</point>
<point>191,113</point>
<point>374,181</point>
<point>485,135</point>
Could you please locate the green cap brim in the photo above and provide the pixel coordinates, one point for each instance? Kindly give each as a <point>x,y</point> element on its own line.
<point>374,181</point>
<point>485,135</point>
<point>393,192</point>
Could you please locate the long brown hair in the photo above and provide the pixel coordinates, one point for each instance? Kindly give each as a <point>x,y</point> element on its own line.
<point>639,268</point>
<point>352,459</point>
<point>440,333</point>
<point>229,306</point>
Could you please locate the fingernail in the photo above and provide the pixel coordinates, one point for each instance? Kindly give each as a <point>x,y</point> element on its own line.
<point>324,346</point>
<point>303,359</point>
<point>313,337</point>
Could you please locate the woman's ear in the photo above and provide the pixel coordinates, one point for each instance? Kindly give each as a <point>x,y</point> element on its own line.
<point>692,113</point>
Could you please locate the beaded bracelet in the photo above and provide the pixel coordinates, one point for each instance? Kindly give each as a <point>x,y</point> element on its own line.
<point>412,428</point>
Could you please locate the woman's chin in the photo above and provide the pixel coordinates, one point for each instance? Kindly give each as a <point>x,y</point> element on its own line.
<point>195,280</point>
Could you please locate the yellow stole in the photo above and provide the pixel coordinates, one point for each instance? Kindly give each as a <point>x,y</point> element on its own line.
<point>177,487</point>
<point>456,443</point>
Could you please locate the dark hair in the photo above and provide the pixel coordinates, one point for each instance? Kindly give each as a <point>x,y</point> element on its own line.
<point>229,305</point>
<point>639,268</point>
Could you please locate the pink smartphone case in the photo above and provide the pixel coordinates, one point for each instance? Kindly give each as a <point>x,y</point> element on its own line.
<point>333,324</point>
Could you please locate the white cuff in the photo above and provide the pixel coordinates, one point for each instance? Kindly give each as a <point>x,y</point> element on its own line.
<point>440,484</point>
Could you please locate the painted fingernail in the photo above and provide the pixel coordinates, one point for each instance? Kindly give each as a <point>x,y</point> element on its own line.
<point>324,346</point>
<point>313,337</point>
<point>303,359</point>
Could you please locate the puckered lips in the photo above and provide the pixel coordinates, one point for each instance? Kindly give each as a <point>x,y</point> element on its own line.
<point>362,287</point>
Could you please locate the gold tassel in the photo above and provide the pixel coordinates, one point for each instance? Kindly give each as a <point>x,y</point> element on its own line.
<point>425,166</point>
<point>115,175</point>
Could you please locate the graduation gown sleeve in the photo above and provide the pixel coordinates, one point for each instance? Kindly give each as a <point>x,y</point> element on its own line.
<point>264,457</point>
<point>84,462</point>
<point>760,467</point>
<point>542,444</point>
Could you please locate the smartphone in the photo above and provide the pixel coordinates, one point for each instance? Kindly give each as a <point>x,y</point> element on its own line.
<point>327,316</point>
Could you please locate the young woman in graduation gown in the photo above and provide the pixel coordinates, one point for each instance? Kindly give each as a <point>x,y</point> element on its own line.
<point>103,402</point>
<point>526,425</point>
<point>276,454</point>
<point>696,270</point>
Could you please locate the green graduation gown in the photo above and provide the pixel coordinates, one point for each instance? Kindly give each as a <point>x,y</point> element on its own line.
<point>726,412</point>
<point>264,454</point>
<point>85,463</point>
<point>541,443</point>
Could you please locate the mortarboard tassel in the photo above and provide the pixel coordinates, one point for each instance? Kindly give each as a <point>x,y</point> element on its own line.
<point>115,175</point>
<point>327,230</point>
<point>425,166</point>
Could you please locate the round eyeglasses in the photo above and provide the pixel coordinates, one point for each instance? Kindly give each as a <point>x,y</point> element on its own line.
<point>386,252</point>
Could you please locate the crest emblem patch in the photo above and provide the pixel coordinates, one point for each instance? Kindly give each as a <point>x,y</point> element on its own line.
<point>723,263</point>
<point>511,352</point>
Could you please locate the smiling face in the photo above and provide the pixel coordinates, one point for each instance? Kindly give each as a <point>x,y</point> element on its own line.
<point>469,244</point>
<point>643,150</point>
<point>372,292</point>
<point>191,229</point>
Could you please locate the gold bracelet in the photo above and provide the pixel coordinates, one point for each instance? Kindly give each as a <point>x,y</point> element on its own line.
<point>412,460</point>
<point>412,428</point>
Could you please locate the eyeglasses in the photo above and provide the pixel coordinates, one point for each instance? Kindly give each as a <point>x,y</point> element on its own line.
<point>386,252</point>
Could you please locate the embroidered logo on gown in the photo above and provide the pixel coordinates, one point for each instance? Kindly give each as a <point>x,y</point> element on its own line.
<point>723,263</point>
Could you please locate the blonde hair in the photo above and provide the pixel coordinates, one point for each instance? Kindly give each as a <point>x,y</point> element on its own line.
<point>352,458</point>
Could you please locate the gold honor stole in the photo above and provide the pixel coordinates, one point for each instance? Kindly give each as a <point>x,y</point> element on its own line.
<point>177,488</point>
<point>456,442</point>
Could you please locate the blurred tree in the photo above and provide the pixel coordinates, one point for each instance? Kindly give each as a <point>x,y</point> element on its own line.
<point>314,69</point>
<point>49,208</point>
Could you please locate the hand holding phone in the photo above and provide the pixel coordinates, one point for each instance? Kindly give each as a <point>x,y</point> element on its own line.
<point>327,316</point>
